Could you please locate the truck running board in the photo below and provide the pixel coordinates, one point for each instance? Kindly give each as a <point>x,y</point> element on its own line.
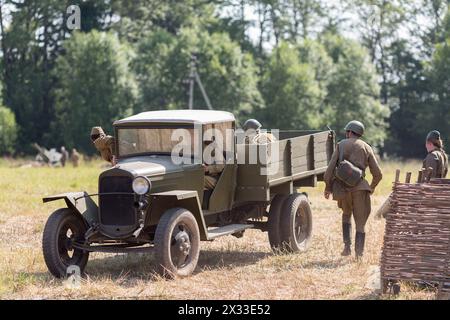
<point>217,232</point>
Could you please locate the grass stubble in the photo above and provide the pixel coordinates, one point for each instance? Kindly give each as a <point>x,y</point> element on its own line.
<point>228,268</point>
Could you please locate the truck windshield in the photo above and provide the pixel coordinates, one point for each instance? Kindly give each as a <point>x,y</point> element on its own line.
<point>133,141</point>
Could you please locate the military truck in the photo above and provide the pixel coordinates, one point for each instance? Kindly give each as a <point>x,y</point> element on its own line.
<point>149,202</point>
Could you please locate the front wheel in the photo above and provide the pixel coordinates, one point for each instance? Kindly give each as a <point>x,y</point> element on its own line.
<point>177,243</point>
<point>62,228</point>
<point>296,223</point>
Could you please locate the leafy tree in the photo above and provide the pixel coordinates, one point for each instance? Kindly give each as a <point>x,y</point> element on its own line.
<point>163,66</point>
<point>290,90</point>
<point>353,90</point>
<point>94,87</point>
<point>32,33</point>
<point>438,110</point>
<point>8,131</point>
<point>138,17</point>
<point>408,94</point>
<point>380,22</point>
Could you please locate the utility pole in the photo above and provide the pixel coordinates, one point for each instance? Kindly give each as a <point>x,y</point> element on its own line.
<point>194,77</point>
<point>192,81</point>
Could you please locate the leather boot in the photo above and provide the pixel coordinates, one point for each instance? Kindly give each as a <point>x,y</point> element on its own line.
<point>359,244</point>
<point>346,231</point>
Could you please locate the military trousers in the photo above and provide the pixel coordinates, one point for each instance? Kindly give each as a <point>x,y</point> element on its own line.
<point>356,204</point>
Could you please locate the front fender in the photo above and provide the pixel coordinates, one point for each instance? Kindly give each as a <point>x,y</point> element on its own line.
<point>187,199</point>
<point>81,202</point>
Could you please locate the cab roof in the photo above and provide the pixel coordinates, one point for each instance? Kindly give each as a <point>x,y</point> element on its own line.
<point>179,116</point>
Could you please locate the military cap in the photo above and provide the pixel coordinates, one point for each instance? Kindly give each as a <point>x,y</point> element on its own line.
<point>433,135</point>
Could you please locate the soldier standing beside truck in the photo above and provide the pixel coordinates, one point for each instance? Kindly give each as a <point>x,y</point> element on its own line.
<point>344,179</point>
<point>436,159</point>
<point>104,144</point>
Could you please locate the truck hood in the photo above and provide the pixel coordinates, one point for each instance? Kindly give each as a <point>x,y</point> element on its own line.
<point>152,165</point>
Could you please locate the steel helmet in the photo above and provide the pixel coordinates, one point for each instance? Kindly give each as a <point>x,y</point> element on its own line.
<point>252,124</point>
<point>355,126</point>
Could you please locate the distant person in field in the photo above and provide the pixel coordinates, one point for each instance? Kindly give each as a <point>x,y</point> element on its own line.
<point>75,158</point>
<point>104,144</point>
<point>254,135</point>
<point>436,158</point>
<point>355,154</point>
<point>65,156</point>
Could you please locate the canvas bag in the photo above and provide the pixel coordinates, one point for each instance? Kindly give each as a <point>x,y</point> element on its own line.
<point>347,173</point>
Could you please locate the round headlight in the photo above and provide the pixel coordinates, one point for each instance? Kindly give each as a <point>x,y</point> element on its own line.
<point>141,185</point>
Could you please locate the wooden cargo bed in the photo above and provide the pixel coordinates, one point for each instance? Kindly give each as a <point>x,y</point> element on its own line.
<point>299,158</point>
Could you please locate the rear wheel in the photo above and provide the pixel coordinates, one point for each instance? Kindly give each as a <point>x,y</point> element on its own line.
<point>274,221</point>
<point>177,243</point>
<point>62,228</point>
<point>296,223</point>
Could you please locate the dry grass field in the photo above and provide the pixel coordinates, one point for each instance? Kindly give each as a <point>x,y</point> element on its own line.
<point>229,268</point>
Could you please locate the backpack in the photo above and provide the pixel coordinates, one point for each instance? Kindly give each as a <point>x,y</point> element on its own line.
<point>347,173</point>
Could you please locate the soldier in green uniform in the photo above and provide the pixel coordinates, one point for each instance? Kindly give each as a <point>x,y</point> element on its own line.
<point>355,200</point>
<point>104,144</point>
<point>436,159</point>
<point>253,134</point>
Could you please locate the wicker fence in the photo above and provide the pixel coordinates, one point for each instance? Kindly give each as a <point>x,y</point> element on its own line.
<point>417,235</point>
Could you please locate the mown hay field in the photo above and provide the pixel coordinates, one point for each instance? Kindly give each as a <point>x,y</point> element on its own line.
<point>229,268</point>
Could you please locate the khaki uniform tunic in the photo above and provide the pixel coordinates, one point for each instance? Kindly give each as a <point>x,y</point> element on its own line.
<point>105,145</point>
<point>260,138</point>
<point>212,174</point>
<point>354,201</point>
<point>438,160</point>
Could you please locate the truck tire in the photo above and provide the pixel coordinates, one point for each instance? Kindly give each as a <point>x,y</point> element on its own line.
<point>62,226</point>
<point>177,243</point>
<point>273,224</point>
<point>296,224</point>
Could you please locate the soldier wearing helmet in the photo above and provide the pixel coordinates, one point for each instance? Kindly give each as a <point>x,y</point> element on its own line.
<point>253,134</point>
<point>104,144</point>
<point>436,158</point>
<point>354,201</point>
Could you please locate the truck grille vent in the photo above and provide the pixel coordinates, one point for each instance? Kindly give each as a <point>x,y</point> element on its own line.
<point>117,210</point>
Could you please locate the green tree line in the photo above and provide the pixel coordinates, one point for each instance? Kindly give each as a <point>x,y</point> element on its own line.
<point>293,64</point>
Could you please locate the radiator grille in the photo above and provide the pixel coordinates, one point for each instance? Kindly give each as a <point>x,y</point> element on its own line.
<point>115,209</point>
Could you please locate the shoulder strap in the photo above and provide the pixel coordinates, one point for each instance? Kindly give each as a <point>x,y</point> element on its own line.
<point>341,153</point>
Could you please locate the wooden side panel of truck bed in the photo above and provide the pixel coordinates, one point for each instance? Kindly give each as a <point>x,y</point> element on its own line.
<point>300,158</point>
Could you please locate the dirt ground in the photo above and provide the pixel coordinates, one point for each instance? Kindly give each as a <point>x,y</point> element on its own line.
<point>229,268</point>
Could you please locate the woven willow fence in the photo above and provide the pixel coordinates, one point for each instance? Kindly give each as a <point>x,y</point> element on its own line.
<point>417,235</point>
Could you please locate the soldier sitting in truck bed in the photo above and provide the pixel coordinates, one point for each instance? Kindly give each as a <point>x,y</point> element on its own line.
<point>253,134</point>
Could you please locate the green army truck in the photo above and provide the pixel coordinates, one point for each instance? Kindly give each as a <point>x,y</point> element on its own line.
<point>149,202</point>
